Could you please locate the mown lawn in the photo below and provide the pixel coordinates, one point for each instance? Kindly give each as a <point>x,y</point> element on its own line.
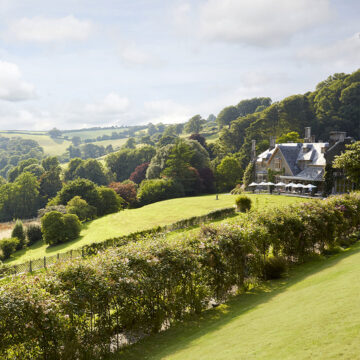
<point>160,213</point>
<point>312,314</point>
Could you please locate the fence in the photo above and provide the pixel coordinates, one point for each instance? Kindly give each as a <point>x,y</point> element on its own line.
<point>94,248</point>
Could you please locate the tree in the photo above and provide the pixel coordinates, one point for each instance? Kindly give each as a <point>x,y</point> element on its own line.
<point>55,133</point>
<point>139,174</point>
<point>58,228</point>
<point>70,171</point>
<point>211,118</point>
<point>93,170</point>
<point>50,163</point>
<point>130,143</point>
<point>81,208</point>
<point>228,173</point>
<point>109,201</point>
<point>166,140</point>
<point>250,106</point>
<point>146,140</point>
<point>76,140</point>
<point>194,125</point>
<point>249,174</point>
<point>227,115</point>
<point>199,138</point>
<point>179,128</point>
<point>19,233</point>
<point>151,129</point>
<point>292,136</point>
<point>35,169</point>
<point>349,161</point>
<point>74,152</point>
<point>84,188</point>
<point>126,190</point>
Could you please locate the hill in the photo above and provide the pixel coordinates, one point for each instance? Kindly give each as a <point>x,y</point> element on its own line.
<point>313,314</point>
<point>132,220</point>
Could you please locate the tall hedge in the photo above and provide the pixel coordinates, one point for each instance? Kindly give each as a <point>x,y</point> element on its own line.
<point>79,309</point>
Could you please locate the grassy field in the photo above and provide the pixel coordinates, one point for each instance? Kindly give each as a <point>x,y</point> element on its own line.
<point>160,213</point>
<point>91,134</point>
<point>312,314</point>
<point>51,146</point>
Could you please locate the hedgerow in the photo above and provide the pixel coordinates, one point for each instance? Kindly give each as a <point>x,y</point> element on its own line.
<point>79,309</point>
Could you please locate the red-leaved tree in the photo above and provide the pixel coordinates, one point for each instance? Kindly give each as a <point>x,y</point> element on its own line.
<point>139,174</point>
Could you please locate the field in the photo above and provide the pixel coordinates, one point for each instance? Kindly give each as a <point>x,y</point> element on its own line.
<point>312,314</point>
<point>91,134</point>
<point>132,220</point>
<point>51,146</point>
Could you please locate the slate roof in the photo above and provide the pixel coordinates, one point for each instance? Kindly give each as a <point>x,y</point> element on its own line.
<point>291,152</point>
<point>311,173</point>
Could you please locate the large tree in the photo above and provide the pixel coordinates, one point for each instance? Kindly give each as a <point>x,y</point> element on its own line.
<point>194,125</point>
<point>349,161</point>
<point>227,115</point>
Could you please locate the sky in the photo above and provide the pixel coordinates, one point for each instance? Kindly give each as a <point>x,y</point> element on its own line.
<point>76,63</point>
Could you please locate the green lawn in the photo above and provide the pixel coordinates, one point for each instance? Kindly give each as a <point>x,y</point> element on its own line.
<point>160,213</point>
<point>313,314</point>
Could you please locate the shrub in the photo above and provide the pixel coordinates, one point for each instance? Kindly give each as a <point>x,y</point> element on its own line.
<point>19,233</point>
<point>139,174</point>
<point>81,208</point>
<point>274,267</point>
<point>243,203</point>
<point>33,233</point>
<point>109,201</point>
<point>59,228</point>
<point>8,247</point>
<point>154,190</point>
<point>49,208</point>
<point>126,191</point>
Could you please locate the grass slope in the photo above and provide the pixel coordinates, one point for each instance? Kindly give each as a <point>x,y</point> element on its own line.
<point>313,314</point>
<point>160,213</point>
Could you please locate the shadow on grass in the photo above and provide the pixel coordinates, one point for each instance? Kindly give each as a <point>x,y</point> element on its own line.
<point>181,335</point>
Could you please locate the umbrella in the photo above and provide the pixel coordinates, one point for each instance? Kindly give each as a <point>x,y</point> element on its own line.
<point>280,184</point>
<point>262,183</point>
<point>310,186</point>
<point>269,183</point>
<point>298,186</point>
<point>253,184</point>
<point>290,185</point>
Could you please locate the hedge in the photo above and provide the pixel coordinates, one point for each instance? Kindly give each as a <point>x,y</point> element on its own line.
<point>79,310</point>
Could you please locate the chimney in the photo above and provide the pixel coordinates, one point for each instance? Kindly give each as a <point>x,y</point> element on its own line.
<point>272,142</point>
<point>337,136</point>
<point>312,138</point>
<point>253,150</point>
<point>307,138</point>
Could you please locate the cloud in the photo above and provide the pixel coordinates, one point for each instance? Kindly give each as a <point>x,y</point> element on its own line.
<point>131,54</point>
<point>12,86</point>
<point>46,30</point>
<point>255,22</point>
<point>112,105</point>
<point>341,53</point>
<point>166,111</point>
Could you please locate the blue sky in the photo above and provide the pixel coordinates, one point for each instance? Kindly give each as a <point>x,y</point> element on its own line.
<point>77,63</point>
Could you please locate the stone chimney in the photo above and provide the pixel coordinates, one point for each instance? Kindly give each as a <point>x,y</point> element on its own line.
<point>337,136</point>
<point>272,142</point>
<point>253,150</point>
<point>307,138</point>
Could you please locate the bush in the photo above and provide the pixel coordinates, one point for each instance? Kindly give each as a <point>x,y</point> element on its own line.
<point>243,203</point>
<point>154,190</point>
<point>58,228</point>
<point>274,267</point>
<point>126,191</point>
<point>81,208</point>
<point>109,201</point>
<point>236,190</point>
<point>33,233</point>
<point>49,208</point>
<point>8,247</point>
<point>19,233</point>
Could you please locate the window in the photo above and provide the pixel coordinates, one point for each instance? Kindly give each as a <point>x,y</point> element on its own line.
<point>278,164</point>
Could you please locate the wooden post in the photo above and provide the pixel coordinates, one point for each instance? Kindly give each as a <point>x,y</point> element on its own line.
<point>70,254</point>
<point>58,256</point>
<point>45,262</point>
<point>30,266</point>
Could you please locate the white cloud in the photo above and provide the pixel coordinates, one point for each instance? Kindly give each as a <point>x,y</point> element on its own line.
<point>45,30</point>
<point>12,86</point>
<point>131,54</point>
<point>341,53</point>
<point>255,22</point>
<point>112,104</point>
<point>166,111</point>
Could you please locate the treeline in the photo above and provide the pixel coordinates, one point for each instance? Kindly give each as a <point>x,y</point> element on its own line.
<point>82,308</point>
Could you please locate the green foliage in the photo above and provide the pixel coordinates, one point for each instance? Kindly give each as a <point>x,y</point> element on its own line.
<point>130,143</point>
<point>250,106</point>
<point>59,228</point>
<point>8,247</point>
<point>194,125</point>
<point>249,174</point>
<point>292,136</point>
<point>243,203</point>
<point>228,173</point>
<point>81,209</point>
<point>124,162</point>
<point>154,190</point>
<point>236,190</point>
<point>275,267</point>
<point>109,201</point>
<point>55,133</point>
<point>349,161</point>
<point>33,234</point>
<point>227,115</point>
<point>19,233</point>
<point>328,179</point>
